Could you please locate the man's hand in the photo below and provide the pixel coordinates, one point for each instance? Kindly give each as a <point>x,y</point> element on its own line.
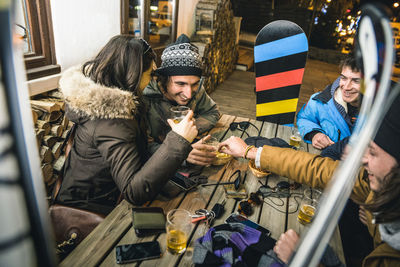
<point>234,146</point>
<point>185,128</point>
<point>286,244</point>
<point>201,153</point>
<point>321,141</point>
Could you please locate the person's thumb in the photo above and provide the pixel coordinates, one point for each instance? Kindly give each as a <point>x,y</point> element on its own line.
<point>171,123</point>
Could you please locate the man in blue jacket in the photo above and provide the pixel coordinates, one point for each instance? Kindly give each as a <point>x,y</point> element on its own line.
<point>329,116</point>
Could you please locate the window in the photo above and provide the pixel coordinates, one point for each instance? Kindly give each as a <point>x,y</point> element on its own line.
<point>37,32</point>
<point>154,20</point>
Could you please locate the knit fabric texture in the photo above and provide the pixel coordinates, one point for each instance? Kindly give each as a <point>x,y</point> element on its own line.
<point>235,244</point>
<point>180,58</point>
<point>388,133</point>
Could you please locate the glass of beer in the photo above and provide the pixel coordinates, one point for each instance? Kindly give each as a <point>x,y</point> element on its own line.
<point>178,113</point>
<point>308,205</point>
<point>178,230</point>
<point>295,138</point>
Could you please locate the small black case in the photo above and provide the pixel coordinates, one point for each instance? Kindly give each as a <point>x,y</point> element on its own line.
<point>148,221</point>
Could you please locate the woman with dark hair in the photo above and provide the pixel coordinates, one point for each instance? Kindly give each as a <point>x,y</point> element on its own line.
<point>109,155</point>
<point>377,187</point>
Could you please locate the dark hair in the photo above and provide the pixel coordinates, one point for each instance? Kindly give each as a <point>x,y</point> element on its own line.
<point>386,202</point>
<point>349,61</point>
<point>120,63</point>
<point>163,81</point>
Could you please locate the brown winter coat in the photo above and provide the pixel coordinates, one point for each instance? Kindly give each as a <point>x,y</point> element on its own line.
<point>109,154</point>
<point>316,171</point>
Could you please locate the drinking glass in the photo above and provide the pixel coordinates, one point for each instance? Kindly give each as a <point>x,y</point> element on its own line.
<point>308,205</point>
<point>178,230</point>
<point>295,138</point>
<point>178,113</point>
<point>220,158</point>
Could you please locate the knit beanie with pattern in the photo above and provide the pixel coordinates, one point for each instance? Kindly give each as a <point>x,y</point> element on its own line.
<point>180,58</point>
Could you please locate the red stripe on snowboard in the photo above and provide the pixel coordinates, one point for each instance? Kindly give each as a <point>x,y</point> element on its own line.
<point>281,79</point>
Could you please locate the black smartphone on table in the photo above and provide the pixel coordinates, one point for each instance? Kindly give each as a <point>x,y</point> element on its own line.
<point>183,182</point>
<point>241,219</point>
<point>137,252</point>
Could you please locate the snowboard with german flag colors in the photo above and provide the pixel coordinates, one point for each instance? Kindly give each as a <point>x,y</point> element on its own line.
<point>280,54</point>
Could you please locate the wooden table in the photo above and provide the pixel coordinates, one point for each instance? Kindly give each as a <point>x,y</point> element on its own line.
<point>277,215</point>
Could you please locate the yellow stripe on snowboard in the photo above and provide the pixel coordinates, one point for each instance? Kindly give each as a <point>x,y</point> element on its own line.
<point>277,107</point>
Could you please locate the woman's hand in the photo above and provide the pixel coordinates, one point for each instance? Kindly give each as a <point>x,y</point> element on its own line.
<point>185,127</point>
<point>286,245</point>
<point>234,146</point>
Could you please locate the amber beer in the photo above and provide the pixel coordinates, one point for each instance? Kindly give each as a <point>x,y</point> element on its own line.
<point>306,214</point>
<point>179,223</point>
<point>178,119</point>
<point>176,241</point>
<point>178,113</point>
<point>295,141</point>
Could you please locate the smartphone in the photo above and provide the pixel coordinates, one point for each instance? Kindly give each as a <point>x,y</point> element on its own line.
<point>183,182</point>
<point>137,252</point>
<point>241,219</point>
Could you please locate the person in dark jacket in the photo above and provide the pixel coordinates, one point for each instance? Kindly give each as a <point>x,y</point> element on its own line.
<point>179,83</point>
<point>329,116</point>
<point>109,154</point>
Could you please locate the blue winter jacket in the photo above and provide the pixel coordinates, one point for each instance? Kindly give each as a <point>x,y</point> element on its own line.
<point>323,114</point>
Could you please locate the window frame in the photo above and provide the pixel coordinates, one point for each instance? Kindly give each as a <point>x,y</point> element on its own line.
<point>145,18</point>
<point>42,60</point>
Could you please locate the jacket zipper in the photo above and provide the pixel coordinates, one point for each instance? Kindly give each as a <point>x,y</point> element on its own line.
<point>338,134</point>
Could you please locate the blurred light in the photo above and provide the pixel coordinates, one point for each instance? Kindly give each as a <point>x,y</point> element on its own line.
<point>348,10</point>
<point>316,20</point>
<point>328,1</point>
<point>396,4</point>
<point>323,9</point>
<point>359,12</point>
<point>337,21</point>
<point>153,8</point>
<point>348,17</point>
<point>137,7</point>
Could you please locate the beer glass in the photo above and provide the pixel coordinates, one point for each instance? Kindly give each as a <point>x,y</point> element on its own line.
<point>178,230</point>
<point>295,138</point>
<point>178,113</point>
<point>221,158</point>
<point>308,205</point>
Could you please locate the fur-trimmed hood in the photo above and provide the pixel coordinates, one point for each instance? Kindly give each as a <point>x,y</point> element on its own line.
<point>95,101</point>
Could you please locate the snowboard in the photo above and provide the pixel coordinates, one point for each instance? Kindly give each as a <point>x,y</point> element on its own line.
<point>280,54</point>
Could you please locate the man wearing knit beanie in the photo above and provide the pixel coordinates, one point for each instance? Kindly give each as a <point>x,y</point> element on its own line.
<point>377,186</point>
<point>179,83</point>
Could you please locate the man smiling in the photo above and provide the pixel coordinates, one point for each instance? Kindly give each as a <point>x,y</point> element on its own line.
<point>179,83</point>
<point>329,116</point>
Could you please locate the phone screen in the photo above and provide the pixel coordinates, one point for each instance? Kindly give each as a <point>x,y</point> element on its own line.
<point>137,252</point>
<point>241,219</point>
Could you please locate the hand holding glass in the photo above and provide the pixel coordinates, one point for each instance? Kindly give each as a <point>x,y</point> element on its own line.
<point>221,158</point>
<point>178,113</point>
